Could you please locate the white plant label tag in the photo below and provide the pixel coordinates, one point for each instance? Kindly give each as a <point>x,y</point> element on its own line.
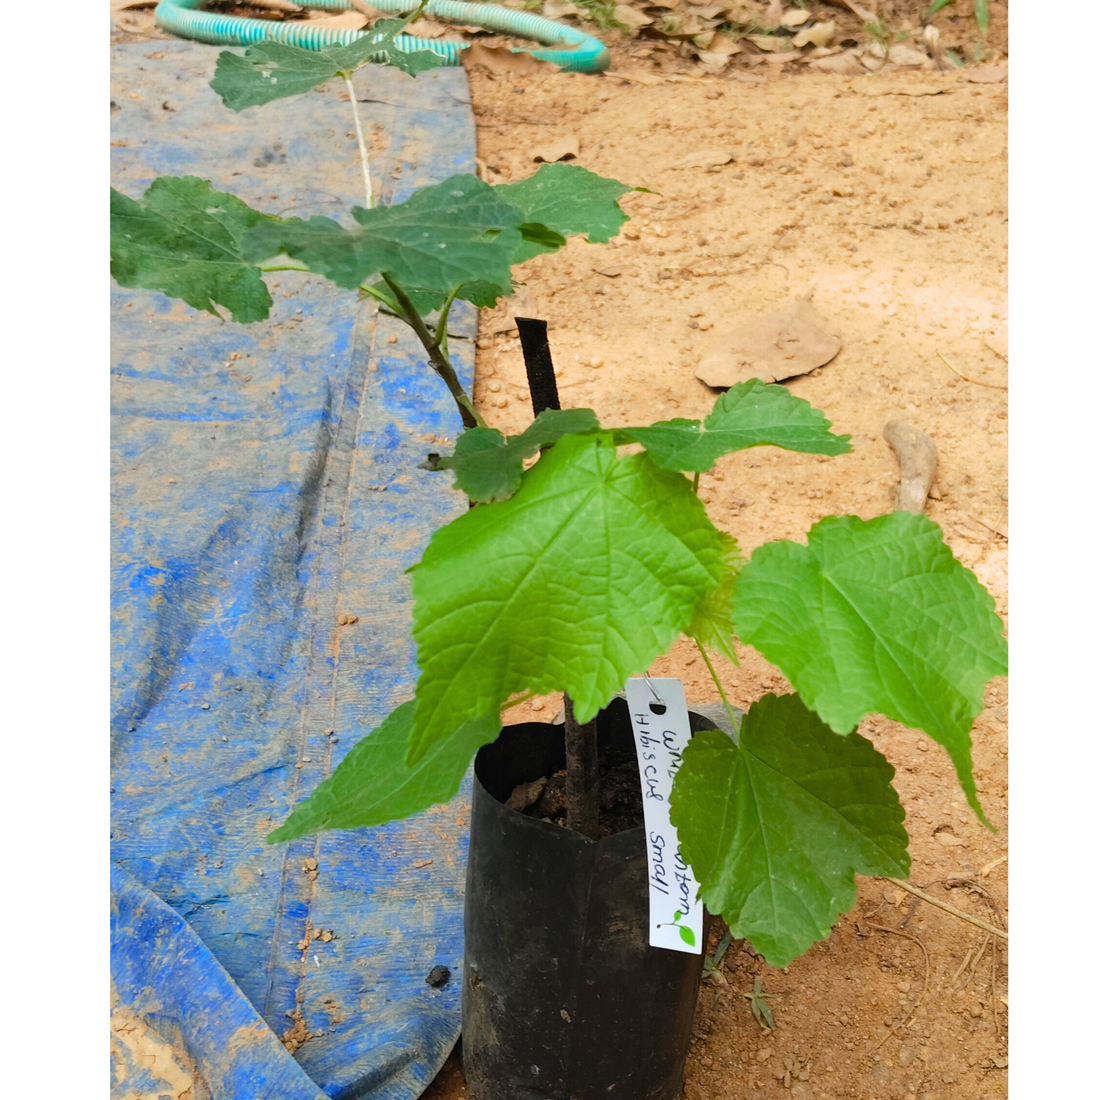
<point>661,733</point>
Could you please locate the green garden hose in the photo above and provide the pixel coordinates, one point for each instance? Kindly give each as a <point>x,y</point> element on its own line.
<point>574,50</point>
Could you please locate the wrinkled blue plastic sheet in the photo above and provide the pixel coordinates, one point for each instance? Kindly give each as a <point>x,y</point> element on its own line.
<point>265,483</point>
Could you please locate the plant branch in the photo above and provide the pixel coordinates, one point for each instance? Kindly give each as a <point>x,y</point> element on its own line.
<point>436,357</point>
<point>582,807</point>
<point>717,683</point>
<point>363,158</point>
<point>985,926</point>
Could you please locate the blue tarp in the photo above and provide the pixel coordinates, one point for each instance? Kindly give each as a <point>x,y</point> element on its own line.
<point>265,484</point>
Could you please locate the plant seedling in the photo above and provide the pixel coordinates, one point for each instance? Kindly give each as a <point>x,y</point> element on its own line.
<point>758,1002</point>
<point>576,572</point>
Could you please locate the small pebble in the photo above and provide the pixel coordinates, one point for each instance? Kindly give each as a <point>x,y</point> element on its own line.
<point>596,361</point>
<point>391,339</point>
<point>502,402</point>
<point>494,386</point>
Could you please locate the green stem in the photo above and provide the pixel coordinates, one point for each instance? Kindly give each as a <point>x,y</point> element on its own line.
<point>436,357</point>
<point>695,483</point>
<point>717,683</point>
<point>283,267</point>
<point>364,160</point>
<point>441,324</point>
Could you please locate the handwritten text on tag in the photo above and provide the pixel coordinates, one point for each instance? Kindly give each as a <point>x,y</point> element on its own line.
<point>661,732</point>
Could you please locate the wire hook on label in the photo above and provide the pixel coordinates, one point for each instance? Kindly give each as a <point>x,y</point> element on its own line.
<point>649,684</point>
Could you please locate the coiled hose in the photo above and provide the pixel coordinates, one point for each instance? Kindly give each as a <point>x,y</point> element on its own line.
<point>576,51</point>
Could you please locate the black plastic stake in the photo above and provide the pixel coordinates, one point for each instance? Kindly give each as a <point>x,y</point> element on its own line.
<point>540,367</point>
<point>582,772</point>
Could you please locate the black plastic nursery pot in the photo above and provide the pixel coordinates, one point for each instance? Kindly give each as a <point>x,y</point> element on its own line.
<point>563,998</point>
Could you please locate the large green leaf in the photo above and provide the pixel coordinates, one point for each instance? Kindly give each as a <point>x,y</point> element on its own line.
<point>373,784</point>
<point>877,616</point>
<point>183,239</point>
<point>488,466</point>
<point>272,70</point>
<point>567,199</point>
<point>577,582</point>
<point>776,825</point>
<point>749,414</point>
<point>451,233</point>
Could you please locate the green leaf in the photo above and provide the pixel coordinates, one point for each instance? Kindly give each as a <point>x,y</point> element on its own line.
<point>712,624</point>
<point>488,467</point>
<point>877,616</point>
<point>750,414</point>
<point>272,70</point>
<point>442,236</point>
<point>577,582</point>
<point>688,936</point>
<point>567,199</point>
<point>776,825</point>
<point>373,784</point>
<point>183,239</point>
<point>981,14</point>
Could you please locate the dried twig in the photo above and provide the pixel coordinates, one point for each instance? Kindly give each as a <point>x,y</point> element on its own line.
<point>985,926</point>
<point>977,959</point>
<point>999,354</point>
<point>927,975</point>
<point>966,378</point>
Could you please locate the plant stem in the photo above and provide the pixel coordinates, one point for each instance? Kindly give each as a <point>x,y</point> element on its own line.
<point>582,807</point>
<point>582,767</point>
<point>436,357</point>
<point>441,324</point>
<point>695,483</point>
<point>283,267</point>
<point>717,682</point>
<point>363,158</point>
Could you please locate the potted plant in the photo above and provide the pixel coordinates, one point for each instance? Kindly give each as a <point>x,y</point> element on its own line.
<point>584,555</point>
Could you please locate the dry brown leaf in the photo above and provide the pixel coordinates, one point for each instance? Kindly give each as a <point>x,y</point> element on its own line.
<point>784,344</point>
<point>123,5</point>
<point>711,12</point>
<point>783,58</point>
<point>558,9</point>
<point>769,43</point>
<point>501,61</point>
<point>988,74</point>
<point>567,147</point>
<point>712,62</point>
<point>631,17</point>
<point>900,54</point>
<point>724,46</point>
<point>845,64</point>
<point>795,17</point>
<point>428,28</point>
<point>343,21</point>
<point>706,158</point>
<point>820,34</point>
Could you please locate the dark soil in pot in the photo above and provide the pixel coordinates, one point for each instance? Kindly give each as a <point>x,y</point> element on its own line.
<point>563,998</point>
